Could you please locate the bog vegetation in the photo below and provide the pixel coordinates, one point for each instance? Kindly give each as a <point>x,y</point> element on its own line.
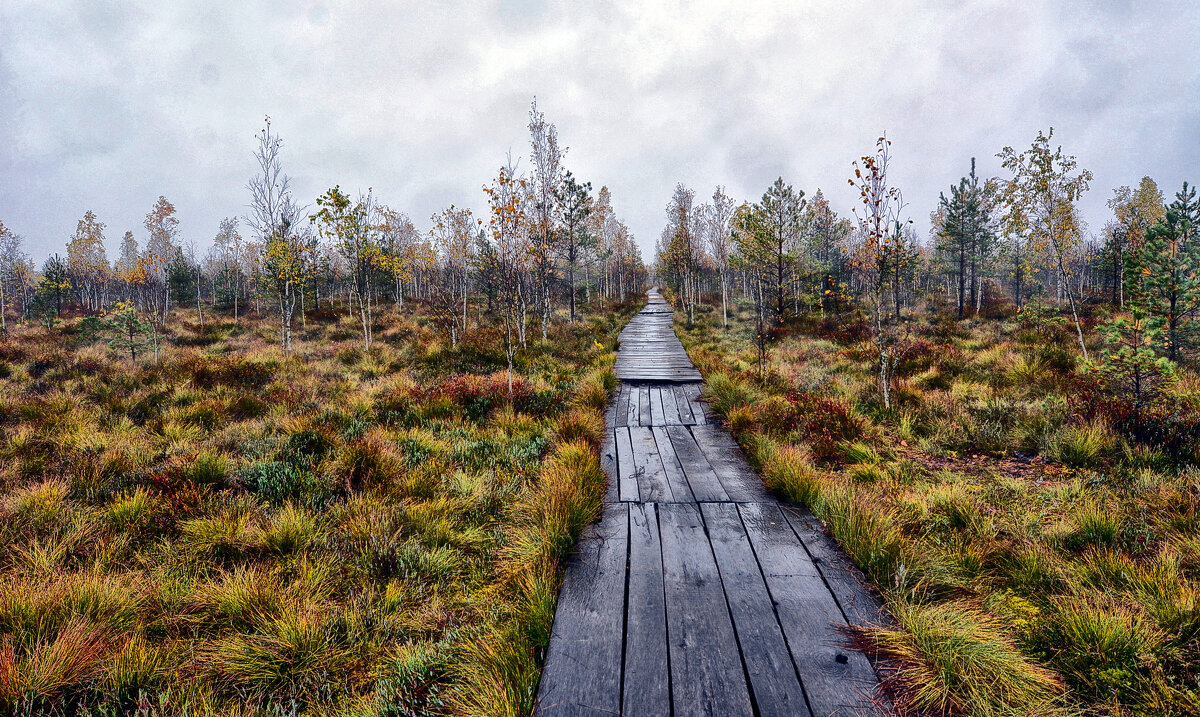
<point>330,468</point>
<point>1000,423</point>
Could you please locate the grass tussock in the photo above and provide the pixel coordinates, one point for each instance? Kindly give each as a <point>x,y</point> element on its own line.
<point>954,658</point>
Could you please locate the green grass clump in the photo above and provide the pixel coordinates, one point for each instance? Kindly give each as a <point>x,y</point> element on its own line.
<point>954,658</point>
<point>791,474</point>
<point>1084,446</point>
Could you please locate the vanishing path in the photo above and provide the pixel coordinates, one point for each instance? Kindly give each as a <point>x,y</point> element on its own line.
<point>698,593</point>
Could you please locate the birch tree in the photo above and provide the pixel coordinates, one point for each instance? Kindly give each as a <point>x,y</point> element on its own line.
<point>1040,198</point>
<point>508,226</point>
<point>880,252</point>
<point>274,216</point>
<point>87,261</point>
<point>718,234</point>
<point>453,236</point>
<point>352,227</point>
<point>545,209</point>
<point>16,275</point>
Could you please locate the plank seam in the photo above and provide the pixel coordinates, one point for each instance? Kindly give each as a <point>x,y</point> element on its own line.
<point>732,622</point>
<point>625,609</point>
<point>666,615</point>
<point>775,612</point>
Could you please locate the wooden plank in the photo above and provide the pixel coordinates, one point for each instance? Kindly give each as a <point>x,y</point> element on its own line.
<point>675,475</point>
<point>692,390</point>
<point>725,456</point>
<point>608,462</point>
<point>706,670</point>
<point>631,406</point>
<point>773,679</point>
<point>647,680</point>
<point>670,406</point>
<point>626,468</point>
<point>845,581</point>
<point>835,677</point>
<point>656,407</point>
<point>683,406</point>
<point>620,407</point>
<point>701,477</point>
<point>583,661</point>
<point>643,405</point>
<point>651,476</point>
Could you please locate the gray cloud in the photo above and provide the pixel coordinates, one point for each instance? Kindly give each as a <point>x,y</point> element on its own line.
<point>106,105</point>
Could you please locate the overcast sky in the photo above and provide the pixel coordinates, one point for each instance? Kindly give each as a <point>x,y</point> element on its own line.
<point>106,105</point>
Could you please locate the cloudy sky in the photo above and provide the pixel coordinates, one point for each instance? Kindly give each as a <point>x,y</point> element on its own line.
<point>107,105</point>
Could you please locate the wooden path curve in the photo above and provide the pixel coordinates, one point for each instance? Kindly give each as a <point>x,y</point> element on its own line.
<point>698,593</point>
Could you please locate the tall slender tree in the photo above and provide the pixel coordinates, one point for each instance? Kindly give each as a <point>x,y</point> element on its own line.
<point>545,210</point>
<point>88,262</point>
<point>881,255</point>
<point>718,234</point>
<point>1041,198</point>
<point>275,218</point>
<point>576,201</point>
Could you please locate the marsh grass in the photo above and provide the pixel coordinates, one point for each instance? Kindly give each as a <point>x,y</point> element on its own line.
<point>235,531</point>
<point>1035,543</point>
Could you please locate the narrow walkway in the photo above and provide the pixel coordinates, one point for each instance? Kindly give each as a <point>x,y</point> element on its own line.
<point>698,593</point>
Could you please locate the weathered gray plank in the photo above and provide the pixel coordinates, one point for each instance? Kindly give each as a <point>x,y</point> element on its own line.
<point>651,476</point>
<point>841,575</point>
<point>701,477</point>
<point>725,456</point>
<point>768,663</point>
<point>706,670</point>
<point>626,467</point>
<point>656,407</point>
<point>670,406</point>
<point>583,662</point>
<point>834,676</point>
<point>698,411</point>
<point>608,462</point>
<point>620,408</point>
<point>643,405</point>
<point>683,406</point>
<point>675,475</point>
<point>647,683</point>
<point>631,407</point>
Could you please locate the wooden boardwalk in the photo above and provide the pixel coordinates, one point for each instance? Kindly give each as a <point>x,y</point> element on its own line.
<point>698,593</point>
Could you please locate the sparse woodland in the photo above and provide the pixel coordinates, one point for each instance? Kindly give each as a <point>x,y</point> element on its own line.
<point>1000,422</point>
<point>329,466</point>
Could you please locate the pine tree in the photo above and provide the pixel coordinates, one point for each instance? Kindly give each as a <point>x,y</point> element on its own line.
<point>965,238</point>
<point>1162,275</point>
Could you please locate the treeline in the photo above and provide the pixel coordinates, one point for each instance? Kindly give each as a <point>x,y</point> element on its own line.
<point>995,247</point>
<point>548,244</point>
